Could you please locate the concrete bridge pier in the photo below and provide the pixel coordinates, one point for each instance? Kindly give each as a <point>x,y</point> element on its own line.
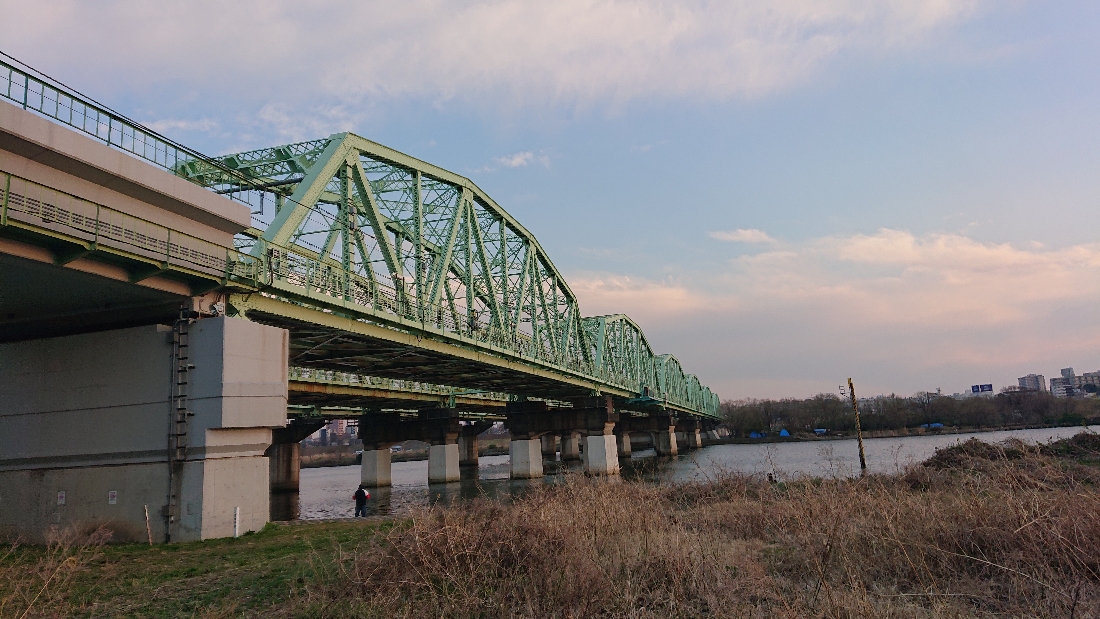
<point>664,442</point>
<point>692,437</point>
<point>600,452</point>
<point>526,456</point>
<point>594,416</point>
<point>664,439</point>
<point>441,428</point>
<point>443,460</point>
<point>379,431</point>
<point>285,463</point>
<point>375,468</point>
<point>467,451</point>
<point>571,446</point>
<point>549,447</point>
<point>623,441</point>
<point>468,447</point>
<point>443,463</point>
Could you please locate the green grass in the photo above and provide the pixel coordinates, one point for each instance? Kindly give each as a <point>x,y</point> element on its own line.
<point>211,578</point>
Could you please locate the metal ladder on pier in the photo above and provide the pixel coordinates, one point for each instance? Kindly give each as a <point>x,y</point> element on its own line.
<point>181,415</point>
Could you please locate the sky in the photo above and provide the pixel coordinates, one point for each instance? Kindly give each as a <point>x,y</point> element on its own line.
<point>782,193</point>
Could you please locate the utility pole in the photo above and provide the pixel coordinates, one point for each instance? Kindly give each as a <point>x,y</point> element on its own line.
<point>859,430</point>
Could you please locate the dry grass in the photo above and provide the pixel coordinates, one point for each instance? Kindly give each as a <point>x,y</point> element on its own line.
<point>977,531</point>
<point>41,587</point>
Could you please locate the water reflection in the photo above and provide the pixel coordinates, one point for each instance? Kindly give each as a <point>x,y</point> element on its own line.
<point>327,492</point>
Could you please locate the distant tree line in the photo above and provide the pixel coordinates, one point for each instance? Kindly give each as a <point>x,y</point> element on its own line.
<point>892,412</point>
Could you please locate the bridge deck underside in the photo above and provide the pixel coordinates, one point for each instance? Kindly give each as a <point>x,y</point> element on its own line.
<point>319,346</point>
<point>346,396</point>
<point>39,299</point>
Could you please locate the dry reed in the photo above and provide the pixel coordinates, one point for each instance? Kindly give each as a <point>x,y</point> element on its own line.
<point>977,531</point>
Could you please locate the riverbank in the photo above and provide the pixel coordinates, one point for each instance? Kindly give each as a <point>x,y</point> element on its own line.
<point>901,433</point>
<point>976,530</point>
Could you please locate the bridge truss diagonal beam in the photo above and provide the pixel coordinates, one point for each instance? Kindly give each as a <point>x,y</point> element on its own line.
<point>379,235</point>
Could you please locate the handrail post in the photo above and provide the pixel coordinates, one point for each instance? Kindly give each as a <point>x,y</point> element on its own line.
<point>4,208</point>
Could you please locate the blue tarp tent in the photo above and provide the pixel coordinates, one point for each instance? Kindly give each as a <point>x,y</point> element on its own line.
<point>784,433</point>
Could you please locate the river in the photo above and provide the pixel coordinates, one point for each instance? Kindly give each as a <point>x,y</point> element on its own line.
<point>326,492</point>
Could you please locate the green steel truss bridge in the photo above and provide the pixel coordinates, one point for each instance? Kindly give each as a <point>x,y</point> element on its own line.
<point>376,262</point>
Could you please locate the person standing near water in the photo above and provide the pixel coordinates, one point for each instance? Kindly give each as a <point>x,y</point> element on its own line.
<point>361,495</point>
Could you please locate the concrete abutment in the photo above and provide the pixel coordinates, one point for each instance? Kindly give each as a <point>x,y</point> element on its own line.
<point>83,432</point>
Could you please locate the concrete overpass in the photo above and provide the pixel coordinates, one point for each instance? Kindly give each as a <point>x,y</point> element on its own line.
<point>129,380</point>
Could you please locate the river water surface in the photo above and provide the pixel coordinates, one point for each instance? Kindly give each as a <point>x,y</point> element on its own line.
<point>326,492</point>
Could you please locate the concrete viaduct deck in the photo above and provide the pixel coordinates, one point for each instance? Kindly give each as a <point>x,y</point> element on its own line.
<point>371,284</point>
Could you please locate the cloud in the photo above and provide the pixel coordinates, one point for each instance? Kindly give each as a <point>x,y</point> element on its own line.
<point>899,312</point>
<point>751,235</point>
<point>611,294</point>
<point>519,160</point>
<point>290,125</point>
<point>942,280</point>
<point>487,53</point>
<point>165,125</point>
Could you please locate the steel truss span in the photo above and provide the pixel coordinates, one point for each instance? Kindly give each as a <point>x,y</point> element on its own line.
<point>350,225</point>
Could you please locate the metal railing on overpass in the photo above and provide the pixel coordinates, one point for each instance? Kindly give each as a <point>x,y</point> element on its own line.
<point>96,227</point>
<point>37,93</point>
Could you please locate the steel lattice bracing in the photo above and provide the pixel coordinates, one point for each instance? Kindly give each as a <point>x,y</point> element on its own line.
<point>354,226</point>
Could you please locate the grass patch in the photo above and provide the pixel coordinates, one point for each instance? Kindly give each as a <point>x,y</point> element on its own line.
<point>249,575</point>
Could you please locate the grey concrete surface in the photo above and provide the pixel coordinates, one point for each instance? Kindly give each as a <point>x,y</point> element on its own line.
<point>86,418</point>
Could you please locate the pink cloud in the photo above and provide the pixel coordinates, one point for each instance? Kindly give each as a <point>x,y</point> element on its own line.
<point>908,312</point>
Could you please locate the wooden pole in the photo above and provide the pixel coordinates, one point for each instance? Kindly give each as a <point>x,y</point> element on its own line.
<point>148,529</point>
<point>859,430</point>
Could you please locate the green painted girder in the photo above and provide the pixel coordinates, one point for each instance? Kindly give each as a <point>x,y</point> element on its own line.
<point>365,226</point>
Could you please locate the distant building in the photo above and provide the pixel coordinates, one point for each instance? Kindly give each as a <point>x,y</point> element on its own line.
<point>1064,386</point>
<point>1088,378</point>
<point>975,391</point>
<point>1033,382</point>
<point>1061,390</point>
